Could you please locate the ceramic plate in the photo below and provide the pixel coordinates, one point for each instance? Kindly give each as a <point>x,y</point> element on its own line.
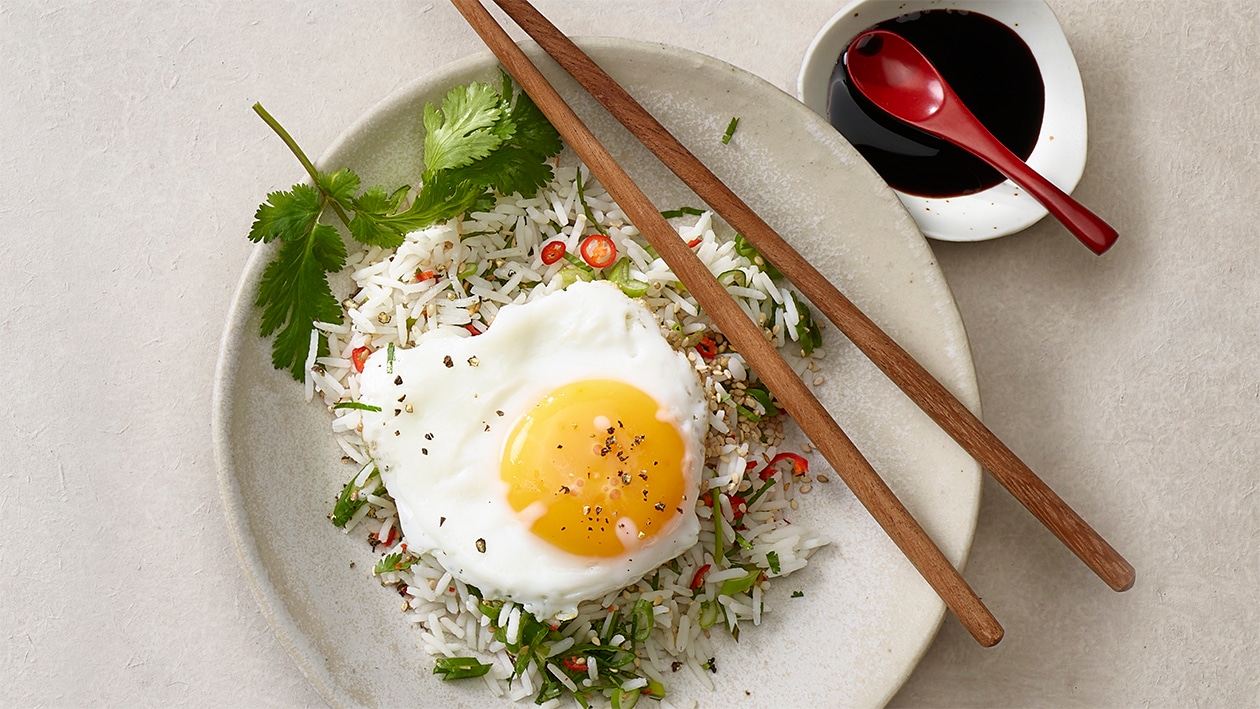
<point>865,616</point>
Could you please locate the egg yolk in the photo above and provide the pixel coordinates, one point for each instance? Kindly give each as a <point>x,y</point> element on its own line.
<point>596,468</point>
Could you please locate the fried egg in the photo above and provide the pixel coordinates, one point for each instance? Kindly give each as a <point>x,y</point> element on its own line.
<point>550,460</point>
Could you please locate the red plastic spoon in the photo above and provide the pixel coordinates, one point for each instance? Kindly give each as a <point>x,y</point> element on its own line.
<point>896,76</point>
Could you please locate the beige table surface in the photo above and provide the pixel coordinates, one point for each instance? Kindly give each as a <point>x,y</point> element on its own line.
<point>130,166</point>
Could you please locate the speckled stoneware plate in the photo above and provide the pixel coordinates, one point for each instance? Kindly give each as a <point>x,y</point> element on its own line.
<point>865,616</point>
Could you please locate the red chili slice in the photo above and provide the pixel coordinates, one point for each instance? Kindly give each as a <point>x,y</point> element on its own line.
<point>698,580</point>
<point>358,357</point>
<point>800,466</point>
<point>598,250</point>
<point>694,242</point>
<point>390,540</point>
<point>738,507</point>
<point>424,275</point>
<point>553,251</point>
<point>472,329</point>
<point>707,348</point>
<point>576,664</point>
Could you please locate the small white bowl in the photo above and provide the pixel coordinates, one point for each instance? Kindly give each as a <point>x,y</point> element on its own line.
<point>1059,153</point>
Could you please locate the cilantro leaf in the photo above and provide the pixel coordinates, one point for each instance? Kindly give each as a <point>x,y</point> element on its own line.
<point>286,215</point>
<point>393,562</point>
<point>464,130</point>
<point>339,186</point>
<point>533,131</point>
<point>507,170</point>
<point>294,294</point>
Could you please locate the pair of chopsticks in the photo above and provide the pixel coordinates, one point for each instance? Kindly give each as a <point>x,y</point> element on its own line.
<point>747,338</point>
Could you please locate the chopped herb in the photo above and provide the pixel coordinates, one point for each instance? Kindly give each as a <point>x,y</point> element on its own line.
<point>393,562</point>
<point>586,209</point>
<point>348,502</point>
<point>355,405</point>
<point>798,594</point>
<point>459,667</point>
<point>730,131</point>
<point>772,558</point>
<point>808,335</point>
<point>739,584</point>
<point>620,274</point>
<point>389,359</point>
<point>763,397</point>
<point>682,211</point>
<point>643,620</point>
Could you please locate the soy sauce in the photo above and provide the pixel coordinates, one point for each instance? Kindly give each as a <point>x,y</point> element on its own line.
<point>991,70</point>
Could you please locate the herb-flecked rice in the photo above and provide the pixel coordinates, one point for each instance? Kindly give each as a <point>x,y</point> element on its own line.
<point>626,645</point>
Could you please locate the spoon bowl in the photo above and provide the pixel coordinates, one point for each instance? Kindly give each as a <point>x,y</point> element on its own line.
<point>897,78</point>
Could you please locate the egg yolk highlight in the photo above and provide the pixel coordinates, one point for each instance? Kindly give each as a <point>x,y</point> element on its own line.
<point>596,468</point>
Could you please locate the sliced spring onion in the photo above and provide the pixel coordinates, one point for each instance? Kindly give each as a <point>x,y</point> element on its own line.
<point>620,274</point>
<point>586,208</point>
<point>730,130</point>
<point>643,620</point>
<point>459,667</point>
<point>733,277</point>
<point>708,614</point>
<point>355,405</point>
<point>682,211</point>
<point>621,699</point>
<point>739,584</point>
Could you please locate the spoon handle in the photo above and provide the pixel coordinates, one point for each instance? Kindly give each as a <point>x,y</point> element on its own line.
<point>1092,231</point>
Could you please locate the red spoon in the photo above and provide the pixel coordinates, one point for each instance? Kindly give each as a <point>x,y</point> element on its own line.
<point>896,76</point>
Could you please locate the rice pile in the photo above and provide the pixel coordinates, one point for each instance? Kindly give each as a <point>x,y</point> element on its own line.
<point>456,276</point>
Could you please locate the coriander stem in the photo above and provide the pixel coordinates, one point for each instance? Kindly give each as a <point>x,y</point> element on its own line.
<point>301,156</point>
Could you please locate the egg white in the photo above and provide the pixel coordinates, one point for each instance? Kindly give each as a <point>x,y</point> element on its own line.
<point>448,404</point>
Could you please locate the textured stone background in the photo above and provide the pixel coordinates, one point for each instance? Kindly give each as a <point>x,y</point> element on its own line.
<point>130,165</point>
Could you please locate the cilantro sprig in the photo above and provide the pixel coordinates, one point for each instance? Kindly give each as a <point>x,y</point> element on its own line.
<point>480,143</point>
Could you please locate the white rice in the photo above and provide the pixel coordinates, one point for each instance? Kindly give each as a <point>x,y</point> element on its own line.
<point>391,307</point>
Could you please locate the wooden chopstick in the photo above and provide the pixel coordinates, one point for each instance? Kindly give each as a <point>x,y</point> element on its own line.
<point>910,376</point>
<point>746,336</point>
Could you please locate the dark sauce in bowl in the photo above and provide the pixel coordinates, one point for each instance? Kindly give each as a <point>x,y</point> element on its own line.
<point>990,68</point>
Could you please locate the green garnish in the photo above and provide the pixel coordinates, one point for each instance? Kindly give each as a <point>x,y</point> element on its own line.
<point>349,501</point>
<point>730,131</point>
<point>393,562</point>
<point>708,614</point>
<point>355,405</point>
<point>807,332</point>
<point>763,397</point>
<point>769,483</point>
<point>744,248</point>
<point>481,141</point>
<point>459,667</point>
<point>682,211</point>
<point>798,594</point>
<point>586,208</point>
<point>739,584</point>
<point>772,558</point>
<point>643,620</point>
<point>389,359</point>
<point>620,274</point>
